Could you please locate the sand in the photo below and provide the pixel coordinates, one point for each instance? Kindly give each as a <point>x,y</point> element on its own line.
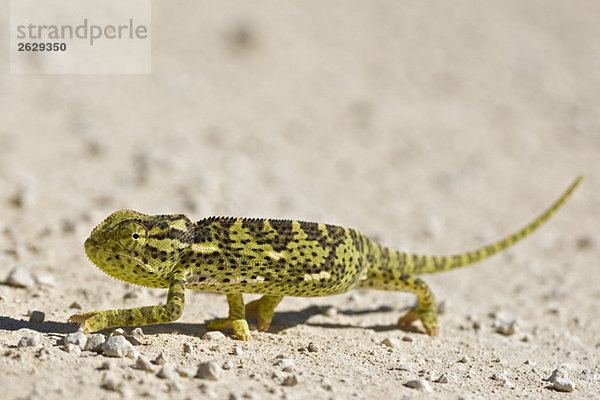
<point>432,127</point>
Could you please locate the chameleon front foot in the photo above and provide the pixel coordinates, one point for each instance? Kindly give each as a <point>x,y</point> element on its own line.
<point>428,319</point>
<point>239,326</point>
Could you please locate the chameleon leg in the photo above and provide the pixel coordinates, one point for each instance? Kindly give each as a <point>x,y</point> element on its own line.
<point>236,320</point>
<point>98,320</point>
<point>263,310</point>
<point>425,308</point>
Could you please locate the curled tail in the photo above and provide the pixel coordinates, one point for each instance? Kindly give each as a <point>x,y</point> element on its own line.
<point>405,263</point>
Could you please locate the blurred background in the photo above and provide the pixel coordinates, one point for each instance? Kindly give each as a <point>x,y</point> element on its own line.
<point>429,125</point>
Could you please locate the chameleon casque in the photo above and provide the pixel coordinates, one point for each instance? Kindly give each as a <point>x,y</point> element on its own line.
<point>275,258</point>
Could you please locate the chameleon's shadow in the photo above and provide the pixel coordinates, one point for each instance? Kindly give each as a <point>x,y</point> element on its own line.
<point>286,320</point>
<point>11,324</point>
<point>281,322</point>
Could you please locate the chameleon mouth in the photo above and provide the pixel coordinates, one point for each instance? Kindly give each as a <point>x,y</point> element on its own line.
<point>100,255</point>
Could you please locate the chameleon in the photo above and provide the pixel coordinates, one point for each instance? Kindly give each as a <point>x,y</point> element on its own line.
<point>272,257</point>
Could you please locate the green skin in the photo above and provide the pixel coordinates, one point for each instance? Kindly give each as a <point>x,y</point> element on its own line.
<point>275,258</point>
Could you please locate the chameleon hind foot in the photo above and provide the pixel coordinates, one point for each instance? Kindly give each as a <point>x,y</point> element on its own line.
<point>263,310</point>
<point>428,319</point>
<point>239,326</point>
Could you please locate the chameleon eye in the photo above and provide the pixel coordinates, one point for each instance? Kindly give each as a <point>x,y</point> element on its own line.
<point>132,236</point>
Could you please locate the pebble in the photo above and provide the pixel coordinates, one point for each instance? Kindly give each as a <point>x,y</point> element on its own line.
<point>141,362</point>
<point>94,342</point>
<point>208,370</point>
<point>588,375</point>
<point>464,360</point>
<point>563,385</point>
<point>444,378</point>
<point>76,338</point>
<point>507,328</point>
<point>287,364</point>
<point>29,340</point>
<point>420,384</point>
<point>213,335</point>
<point>20,276</point>
<point>136,337</point>
<point>407,339</point>
<point>184,371</point>
<point>108,364</point>
<point>75,305</point>
<point>37,317</point>
<point>111,382</point>
<point>560,372</point>
<point>391,342</point>
<point>167,372</point>
<point>442,306</point>
<point>291,380</point>
<point>44,279</point>
<point>227,365</point>
<point>117,332</point>
<point>187,347</point>
<point>331,312</point>
<point>312,348</point>
<point>72,348</point>
<point>160,359</point>
<point>117,346</point>
<point>237,351</point>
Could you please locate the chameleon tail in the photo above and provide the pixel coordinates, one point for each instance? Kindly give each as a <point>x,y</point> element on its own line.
<point>421,264</point>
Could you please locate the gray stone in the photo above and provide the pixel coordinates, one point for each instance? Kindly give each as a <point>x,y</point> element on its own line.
<point>37,317</point>
<point>76,338</point>
<point>208,370</point>
<point>94,342</point>
<point>213,335</point>
<point>20,276</point>
<point>420,384</point>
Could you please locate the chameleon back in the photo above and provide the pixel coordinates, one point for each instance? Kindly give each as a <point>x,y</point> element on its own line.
<point>280,257</point>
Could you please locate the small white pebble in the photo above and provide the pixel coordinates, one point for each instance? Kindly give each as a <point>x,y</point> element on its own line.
<point>117,332</point>
<point>213,335</point>
<point>237,351</point>
<point>563,385</point>
<point>167,372</point>
<point>20,276</point>
<point>420,384</point>
<point>285,363</point>
<point>76,338</point>
<point>117,346</point>
<point>560,372</point>
<point>507,328</point>
<point>312,348</point>
<point>331,312</point>
<point>464,360</point>
<point>29,340</point>
<point>94,342</point>
<point>184,371</point>
<point>142,363</point>
<point>227,365</point>
<point>44,279</point>
<point>208,370</point>
<point>37,317</point>
<point>72,348</point>
<point>444,378</point>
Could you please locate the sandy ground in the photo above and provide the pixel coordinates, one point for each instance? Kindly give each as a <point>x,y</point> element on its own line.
<point>433,127</point>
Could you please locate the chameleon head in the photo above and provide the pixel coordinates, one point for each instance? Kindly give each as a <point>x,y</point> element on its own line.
<point>139,248</point>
